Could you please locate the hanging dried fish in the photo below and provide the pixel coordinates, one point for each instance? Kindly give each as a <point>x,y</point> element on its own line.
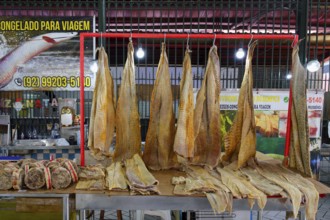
<point>299,151</point>
<point>128,136</point>
<point>102,120</point>
<point>184,137</point>
<point>158,151</point>
<point>206,115</point>
<point>240,141</point>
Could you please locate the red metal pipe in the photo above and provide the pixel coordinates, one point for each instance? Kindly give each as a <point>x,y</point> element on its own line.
<point>82,103</point>
<point>169,35</point>
<point>192,36</point>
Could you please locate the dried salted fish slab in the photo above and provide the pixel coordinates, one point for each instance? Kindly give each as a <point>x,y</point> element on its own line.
<point>18,179</point>
<point>91,184</point>
<point>184,137</point>
<point>261,183</point>
<point>103,113</point>
<point>35,178</point>
<point>220,201</point>
<point>244,187</point>
<point>158,151</point>
<point>306,187</point>
<point>293,192</point>
<point>299,153</point>
<point>92,172</point>
<point>240,141</point>
<point>5,178</point>
<point>61,178</point>
<point>115,178</point>
<point>178,180</point>
<point>138,174</point>
<point>207,148</point>
<point>128,136</point>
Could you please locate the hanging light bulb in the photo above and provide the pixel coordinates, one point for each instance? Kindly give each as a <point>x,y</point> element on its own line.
<point>289,76</point>
<point>313,66</point>
<point>94,67</point>
<point>140,53</point>
<point>240,53</point>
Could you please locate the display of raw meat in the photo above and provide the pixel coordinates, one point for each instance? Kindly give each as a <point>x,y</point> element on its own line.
<point>240,141</point>
<point>102,119</point>
<point>206,115</point>
<point>35,178</point>
<point>184,137</point>
<point>140,180</point>
<point>115,179</point>
<point>128,135</point>
<point>60,177</point>
<point>158,151</point>
<point>299,157</point>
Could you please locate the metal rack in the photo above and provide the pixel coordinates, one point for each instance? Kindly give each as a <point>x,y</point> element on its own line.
<point>294,39</point>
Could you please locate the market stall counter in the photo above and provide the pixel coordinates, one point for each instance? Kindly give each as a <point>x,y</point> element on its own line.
<point>106,200</point>
<point>64,194</point>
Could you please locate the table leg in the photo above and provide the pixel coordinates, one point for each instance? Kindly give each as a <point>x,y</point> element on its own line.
<point>82,214</point>
<point>302,215</point>
<point>259,216</point>
<point>66,208</point>
<point>188,215</point>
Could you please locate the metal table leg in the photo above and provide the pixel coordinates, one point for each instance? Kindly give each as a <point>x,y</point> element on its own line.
<point>66,208</point>
<point>259,216</point>
<point>82,214</point>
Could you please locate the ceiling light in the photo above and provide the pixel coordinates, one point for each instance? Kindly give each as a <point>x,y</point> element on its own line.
<point>289,76</point>
<point>240,53</point>
<point>94,67</point>
<point>313,66</point>
<point>140,53</point>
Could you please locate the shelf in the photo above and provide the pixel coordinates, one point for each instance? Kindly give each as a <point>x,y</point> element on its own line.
<point>40,147</point>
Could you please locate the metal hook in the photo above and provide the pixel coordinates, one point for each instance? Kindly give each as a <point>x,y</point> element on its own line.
<point>250,40</point>
<point>294,41</point>
<point>188,40</point>
<point>215,37</point>
<point>101,40</point>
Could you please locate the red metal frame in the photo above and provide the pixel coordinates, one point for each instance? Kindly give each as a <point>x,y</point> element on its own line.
<point>168,35</point>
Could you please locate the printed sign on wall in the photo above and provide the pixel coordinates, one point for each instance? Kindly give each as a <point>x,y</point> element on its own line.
<point>38,53</point>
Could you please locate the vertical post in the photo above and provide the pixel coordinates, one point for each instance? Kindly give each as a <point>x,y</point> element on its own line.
<point>82,102</point>
<point>301,16</point>
<point>101,23</point>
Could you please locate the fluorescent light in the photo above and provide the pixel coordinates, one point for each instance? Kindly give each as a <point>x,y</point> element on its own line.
<point>94,67</point>
<point>140,53</point>
<point>240,53</point>
<point>313,66</point>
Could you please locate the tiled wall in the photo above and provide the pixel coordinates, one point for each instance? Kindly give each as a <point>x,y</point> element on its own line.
<point>57,153</point>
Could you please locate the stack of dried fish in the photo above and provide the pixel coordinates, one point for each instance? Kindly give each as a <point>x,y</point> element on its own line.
<point>128,136</point>
<point>158,152</point>
<point>116,179</point>
<point>299,150</point>
<point>91,177</point>
<point>35,178</point>
<point>206,115</point>
<point>240,141</point>
<point>6,172</point>
<point>140,180</point>
<point>184,137</point>
<point>102,121</point>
